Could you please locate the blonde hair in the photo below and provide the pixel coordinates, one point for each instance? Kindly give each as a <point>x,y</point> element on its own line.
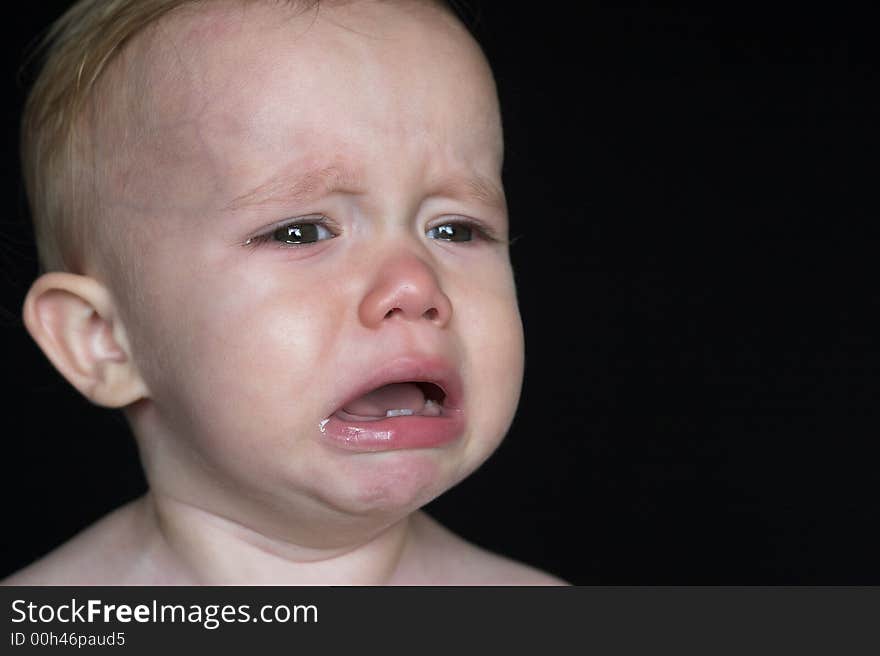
<point>58,176</point>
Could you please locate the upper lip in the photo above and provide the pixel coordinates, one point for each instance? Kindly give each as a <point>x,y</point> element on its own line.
<point>408,369</point>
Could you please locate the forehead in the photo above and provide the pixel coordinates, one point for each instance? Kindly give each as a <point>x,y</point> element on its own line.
<point>266,83</point>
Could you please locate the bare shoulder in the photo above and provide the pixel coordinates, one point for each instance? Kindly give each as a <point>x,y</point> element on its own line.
<point>450,560</point>
<point>99,555</point>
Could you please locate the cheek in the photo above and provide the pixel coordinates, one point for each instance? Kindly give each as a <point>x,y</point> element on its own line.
<point>502,365</point>
<point>234,357</point>
<point>496,360</point>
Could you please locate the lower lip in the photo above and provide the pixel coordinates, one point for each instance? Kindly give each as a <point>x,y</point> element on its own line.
<point>392,433</point>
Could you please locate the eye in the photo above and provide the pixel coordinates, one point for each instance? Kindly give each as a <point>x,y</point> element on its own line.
<point>301,233</point>
<point>306,231</point>
<point>451,232</point>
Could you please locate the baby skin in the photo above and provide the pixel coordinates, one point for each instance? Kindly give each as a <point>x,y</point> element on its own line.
<point>299,290</point>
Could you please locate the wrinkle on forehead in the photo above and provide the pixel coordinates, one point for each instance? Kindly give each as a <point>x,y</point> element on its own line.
<point>190,85</point>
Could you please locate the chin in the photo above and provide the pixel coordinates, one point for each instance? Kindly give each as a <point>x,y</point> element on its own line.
<point>392,483</point>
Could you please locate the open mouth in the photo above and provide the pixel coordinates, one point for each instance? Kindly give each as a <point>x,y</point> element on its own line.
<point>401,399</point>
<point>409,402</point>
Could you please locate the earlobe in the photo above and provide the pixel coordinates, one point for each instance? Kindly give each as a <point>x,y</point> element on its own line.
<point>74,321</point>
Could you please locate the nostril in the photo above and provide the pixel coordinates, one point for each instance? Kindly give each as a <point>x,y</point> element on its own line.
<point>430,314</point>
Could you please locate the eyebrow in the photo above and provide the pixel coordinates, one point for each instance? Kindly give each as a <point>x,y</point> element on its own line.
<point>477,187</point>
<point>314,184</point>
<point>309,185</point>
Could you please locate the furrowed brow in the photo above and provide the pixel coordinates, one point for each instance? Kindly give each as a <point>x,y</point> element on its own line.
<point>287,188</point>
<point>476,187</point>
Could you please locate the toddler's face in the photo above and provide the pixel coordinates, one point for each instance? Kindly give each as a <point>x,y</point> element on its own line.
<point>311,206</point>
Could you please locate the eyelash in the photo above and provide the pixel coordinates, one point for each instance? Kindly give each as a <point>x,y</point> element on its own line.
<point>265,238</point>
<point>481,231</point>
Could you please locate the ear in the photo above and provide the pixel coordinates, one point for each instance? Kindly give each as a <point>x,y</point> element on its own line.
<point>74,321</point>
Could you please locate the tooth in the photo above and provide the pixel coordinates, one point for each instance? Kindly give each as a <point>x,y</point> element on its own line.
<point>431,409</point>
<point>398,413</point>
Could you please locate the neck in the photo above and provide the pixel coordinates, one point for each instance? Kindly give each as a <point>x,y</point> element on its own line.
<point>203,548</point>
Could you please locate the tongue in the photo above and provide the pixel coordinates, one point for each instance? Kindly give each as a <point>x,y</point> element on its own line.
<point>395,396</point>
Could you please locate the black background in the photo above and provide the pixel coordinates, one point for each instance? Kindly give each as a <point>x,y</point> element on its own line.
<point>694,192</point>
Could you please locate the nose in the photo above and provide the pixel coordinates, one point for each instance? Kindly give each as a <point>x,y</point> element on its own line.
<point>405,288</point>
